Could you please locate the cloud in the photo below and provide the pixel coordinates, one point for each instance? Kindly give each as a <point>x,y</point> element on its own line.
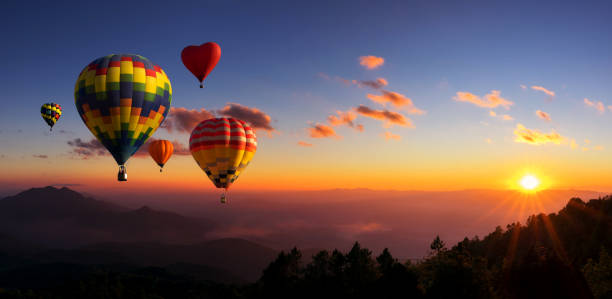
<point>40,156</point>
<point>523,87</point>
<point>390,136</point>
<point>390,117</point>
<point>255,117</point>
<point>87,149</point>
<point>345,118</point>
<point>599,106</point>
<point>535,137</point>
<point>502,116</point>
<point>322,131</point>
<point>489,141</point>
<point>397,99</point>
<point>587,141</point>
<point>490,100</point>
<point>543,115</point>
<point>544,90</point>
<point>598,148</point>
<point>573,144</point>
<point>375,84</point>
<point>304,144</point>
<point>371,62</point>
<point>184,120</point>
<point>378,83</point>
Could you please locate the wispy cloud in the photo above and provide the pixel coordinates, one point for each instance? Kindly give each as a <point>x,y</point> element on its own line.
<point>389,117</point>
<point>535,137</point>
<point>523,87</point>
<point>543,115</point>
<point>87,149</point>
<point>40,156</point>
<point>371,62</point>
<point>304,144</point>
<point>599,106</point>
<point>397,99</point>
<point>500,116</point>
<point>322,131</point>
<point>490,100</point>
<point>375,84</point>
<point>345,118</point>
<point>544,90</point>
<point>390,136</point>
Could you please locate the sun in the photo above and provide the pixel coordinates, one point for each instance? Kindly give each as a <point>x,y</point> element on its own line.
<point>529,182</point>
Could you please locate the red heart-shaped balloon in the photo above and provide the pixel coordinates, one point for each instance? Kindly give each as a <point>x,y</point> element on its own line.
<point>201,60</point>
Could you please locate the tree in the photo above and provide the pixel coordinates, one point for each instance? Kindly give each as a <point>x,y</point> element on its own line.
<point>599,275</point>
<point>437,246</point>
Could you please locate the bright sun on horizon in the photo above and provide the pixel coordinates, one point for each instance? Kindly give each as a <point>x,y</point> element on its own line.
<point>529,182</point>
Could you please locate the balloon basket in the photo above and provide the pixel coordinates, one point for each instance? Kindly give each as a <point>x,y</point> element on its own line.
<point>122,174</point>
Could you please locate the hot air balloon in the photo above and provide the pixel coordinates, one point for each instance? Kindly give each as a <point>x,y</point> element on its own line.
<point>51,112</point>
<point>223,147</point>
<point>122,99</point>
<point>201,60</point>
<point>160,151</point>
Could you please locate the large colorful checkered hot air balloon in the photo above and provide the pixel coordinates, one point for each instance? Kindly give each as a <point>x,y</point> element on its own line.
<point>223,147</point>
<point>51,113</point>
<point>123,99</point>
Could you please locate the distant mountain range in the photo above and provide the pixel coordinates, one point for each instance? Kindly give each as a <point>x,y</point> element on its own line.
<point>63,227</point>
<point>64,218</point>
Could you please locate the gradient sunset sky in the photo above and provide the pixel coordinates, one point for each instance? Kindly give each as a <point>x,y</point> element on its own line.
<point>403,95</point>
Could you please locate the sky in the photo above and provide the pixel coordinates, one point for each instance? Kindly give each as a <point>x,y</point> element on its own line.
<point>384,95</point>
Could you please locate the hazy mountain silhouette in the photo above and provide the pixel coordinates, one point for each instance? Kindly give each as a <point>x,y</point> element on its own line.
<point>64,218</point>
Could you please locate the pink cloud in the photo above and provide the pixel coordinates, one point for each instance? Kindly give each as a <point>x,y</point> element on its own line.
<point>344,118</point>
<point>490,100</point>
<point>543,115</point>
<point>397,99</point>
<point>599,106</point>
<point>322,131</point>
<point>371,62</point>
<point>390,117</point>
<point>544,90</point>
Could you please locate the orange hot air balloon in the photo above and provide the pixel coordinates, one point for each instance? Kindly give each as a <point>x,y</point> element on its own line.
<point>160,151</point>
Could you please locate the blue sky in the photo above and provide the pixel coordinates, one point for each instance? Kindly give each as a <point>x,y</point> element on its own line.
<point>273,53</point>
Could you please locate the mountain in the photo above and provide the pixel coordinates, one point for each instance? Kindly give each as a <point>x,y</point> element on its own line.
<point>64,218</point>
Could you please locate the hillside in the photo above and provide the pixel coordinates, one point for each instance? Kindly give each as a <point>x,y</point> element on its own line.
<point>63,218</point>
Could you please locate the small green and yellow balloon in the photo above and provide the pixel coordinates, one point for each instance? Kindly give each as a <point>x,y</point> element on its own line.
<point>51,112</point>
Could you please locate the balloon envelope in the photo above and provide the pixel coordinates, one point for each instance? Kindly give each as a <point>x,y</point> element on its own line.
<point>160,151</point>
<point>122,99</point>
<point>223,148</point>
<point>51,113</point>
<point>201,60</point>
